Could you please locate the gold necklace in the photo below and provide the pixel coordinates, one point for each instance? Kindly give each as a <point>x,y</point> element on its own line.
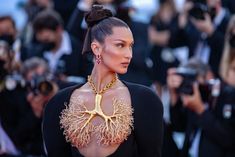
<point>106,87</point>
<point>98,97</point>
<point>78,129</point>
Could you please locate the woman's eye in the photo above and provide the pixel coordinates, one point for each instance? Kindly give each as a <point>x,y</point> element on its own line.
<point>120,45</point>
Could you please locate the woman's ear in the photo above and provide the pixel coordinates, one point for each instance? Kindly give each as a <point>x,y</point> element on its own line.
<point>96,48</point>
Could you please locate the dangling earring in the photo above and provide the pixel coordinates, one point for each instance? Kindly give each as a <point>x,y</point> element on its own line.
<point>98,59</point>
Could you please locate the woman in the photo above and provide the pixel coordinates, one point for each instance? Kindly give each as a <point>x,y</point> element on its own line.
<point>105,116</point>
<point>227,67</point>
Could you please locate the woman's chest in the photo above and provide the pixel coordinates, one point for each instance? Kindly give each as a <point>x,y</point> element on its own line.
<point>97,122</point>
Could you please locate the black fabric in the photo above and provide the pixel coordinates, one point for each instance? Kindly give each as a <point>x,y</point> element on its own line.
<point>161,65</point>
<point>20,123</point>
<point>75,24</point>
<point>230,5</point>
<point>169,148</point>
<point>144,141</point>
<point>74,64</point>
<point>65,8</point>
<point>217,136</point>
<point>190,36</point>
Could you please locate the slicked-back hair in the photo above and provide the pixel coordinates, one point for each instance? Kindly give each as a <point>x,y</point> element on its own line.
<point>100,30</point>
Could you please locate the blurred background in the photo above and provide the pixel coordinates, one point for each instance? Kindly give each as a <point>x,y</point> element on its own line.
<point>178,43</point>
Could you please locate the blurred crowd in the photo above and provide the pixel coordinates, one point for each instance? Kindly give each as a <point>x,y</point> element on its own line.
<point>184,50</point>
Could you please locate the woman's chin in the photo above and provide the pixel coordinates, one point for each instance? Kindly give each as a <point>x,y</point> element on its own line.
<point>122,72</point>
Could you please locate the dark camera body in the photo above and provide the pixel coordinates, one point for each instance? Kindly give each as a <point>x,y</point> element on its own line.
<point>38,85</point>
<point>189,77</point>
<point>198,11</point>
<point>209,89</point>
<point>41,85</point>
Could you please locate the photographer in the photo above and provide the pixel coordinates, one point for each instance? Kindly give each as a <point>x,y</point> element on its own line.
<point>201,27</point>
<point>9,111</point>
<point>9,34</point>
<point>52,43</point>
<point>205,115</point>
<point>8,54</point>
<point>39,82</point>
<point>7,30</point>
<point>22,103</point>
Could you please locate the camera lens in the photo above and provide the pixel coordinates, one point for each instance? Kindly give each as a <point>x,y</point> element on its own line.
<point>198,11</point>
<point>45,88</point>
<point>189,77</point>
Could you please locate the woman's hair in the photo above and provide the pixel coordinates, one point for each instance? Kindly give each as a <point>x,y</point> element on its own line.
<point>228,55</point>
<point>100,22</point>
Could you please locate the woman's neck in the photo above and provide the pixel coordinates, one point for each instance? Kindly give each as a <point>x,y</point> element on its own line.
<point>101,77</point>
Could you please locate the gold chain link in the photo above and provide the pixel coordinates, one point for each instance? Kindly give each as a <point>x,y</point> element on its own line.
<point>109,85</point>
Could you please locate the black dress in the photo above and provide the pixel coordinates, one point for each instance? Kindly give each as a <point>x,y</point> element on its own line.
<point>144,141</point>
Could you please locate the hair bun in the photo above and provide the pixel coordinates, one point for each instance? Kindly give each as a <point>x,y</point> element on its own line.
<point>97,14</point>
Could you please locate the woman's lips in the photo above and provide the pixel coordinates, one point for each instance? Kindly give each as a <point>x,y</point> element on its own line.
<point>125,64</point>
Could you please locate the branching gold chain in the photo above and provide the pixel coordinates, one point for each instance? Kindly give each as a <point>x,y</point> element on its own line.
<point>108,86</point>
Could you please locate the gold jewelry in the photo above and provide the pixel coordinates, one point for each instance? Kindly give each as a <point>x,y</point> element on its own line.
<point>106,87</point>
<point>76,120</point>
<point>98,97</point>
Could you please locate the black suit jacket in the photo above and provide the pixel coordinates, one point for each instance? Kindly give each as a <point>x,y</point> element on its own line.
<point>74,25</point>
<point>217,131</point>
<point>190,36</point>
<point>19,122</point>
<point>74,64</point>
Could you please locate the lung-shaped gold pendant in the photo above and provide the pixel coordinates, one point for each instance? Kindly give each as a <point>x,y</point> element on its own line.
<point>77,125</point>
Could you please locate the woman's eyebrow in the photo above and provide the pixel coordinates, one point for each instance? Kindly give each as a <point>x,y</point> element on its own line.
<point>123,41</point>
<point>120,40</point>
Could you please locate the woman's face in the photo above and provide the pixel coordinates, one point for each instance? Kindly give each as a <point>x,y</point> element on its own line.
<point>117,50</point>
<point>230,79</point>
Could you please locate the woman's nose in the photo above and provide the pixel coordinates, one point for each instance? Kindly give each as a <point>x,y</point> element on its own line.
<point>129,53</point>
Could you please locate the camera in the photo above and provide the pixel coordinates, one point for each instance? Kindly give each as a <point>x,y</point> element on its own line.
<point>208,89</point>
<point>189,76</point>
<point>198,11</point>
<point>38,85</point>
<point>41,85</point>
